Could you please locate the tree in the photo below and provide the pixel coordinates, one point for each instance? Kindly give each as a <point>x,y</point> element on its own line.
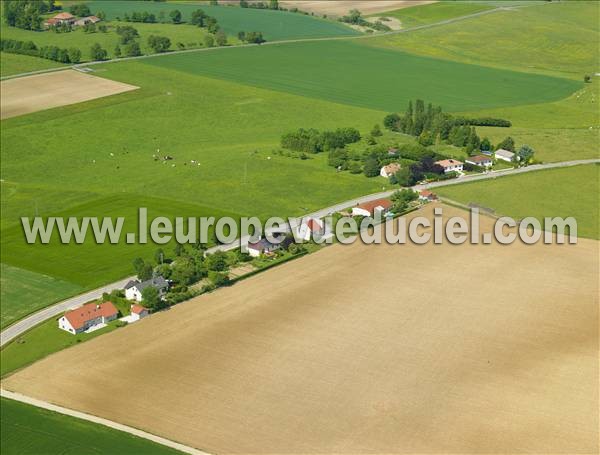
<point>391,122</point>
<point>218,278</point>
<point>214,3</point>
<point>146,272</point>
<point>98,53</point>
<point>127,34</point>
<point>243,4</point>
<point>138,263</point>
<point>402,177</point>
<point>525,155</point>
<point>118,51</point>
<point>151,299</point>
<point>80,9</point>
<point>178,250</point>
<point>376,131</point>
<point>133,49</point>
<point>209,41</point>
<point>212,25</point>
<point>217,262</point>
<point>159,256</point>
<point>159,43</point>
<point>486,145</point>
<point>184,270</point>
<point>273,4</point>
<point>175,16</point>
<point>371,168</point>
<point>74,55</point>
<point>587,78</point>
<point>221,38</point>
<point>198,17</point>
<point>507,144</point>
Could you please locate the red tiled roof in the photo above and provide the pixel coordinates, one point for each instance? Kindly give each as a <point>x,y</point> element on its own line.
<point>448,163</point>
<point>479,159</point>
<point>138,309</point>
<point>371,206</point>
<point>63,16</point>
<point>314,225</point>
<point>79,316</point>
<point>52,21</point>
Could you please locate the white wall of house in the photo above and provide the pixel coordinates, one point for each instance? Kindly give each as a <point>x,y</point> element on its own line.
<point>357,211</point>
<point>64,324</point>
<point>453,168</point>
<point>133,293</point>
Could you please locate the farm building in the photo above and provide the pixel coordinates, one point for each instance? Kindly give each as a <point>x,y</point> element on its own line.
<point>310,228</point>
<point>504,155</point>
<point>480,160</point>
<point>389,170</point>
<point>86,317</point>
<point>86,20</point>
<point>263,246</point>
<point>372,208</point>
<point>134,289</point>
<point>138,312</point>
<point>451,165</point>
<point>427,195</point>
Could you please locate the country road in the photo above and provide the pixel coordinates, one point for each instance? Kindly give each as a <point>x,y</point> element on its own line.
<point>13,331</point>
<point>101,421</point>
<point>278,42</point>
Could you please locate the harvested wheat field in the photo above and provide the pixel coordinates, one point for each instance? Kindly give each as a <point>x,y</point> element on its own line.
<point>360,349</point>
<point>342,7</point>
<point>25,95</point>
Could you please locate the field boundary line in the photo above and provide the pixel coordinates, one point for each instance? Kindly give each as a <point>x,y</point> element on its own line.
<point>99,420</point>
<point>277,42</point>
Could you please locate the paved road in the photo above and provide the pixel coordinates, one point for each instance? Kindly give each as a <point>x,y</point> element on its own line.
<point>101,421</point>
<point>31,321</point>
<point>270,43</point>
<point>34,319</point>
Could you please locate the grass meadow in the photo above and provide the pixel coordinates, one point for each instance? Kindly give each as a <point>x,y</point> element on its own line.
<point>558,38</point>
<point>16,64</point>
<point>369,77</point>
<point>434,12</point>
<point>23,292</point>
<point>28,430</point>
<point>275,25</point>
<point>563,192</point>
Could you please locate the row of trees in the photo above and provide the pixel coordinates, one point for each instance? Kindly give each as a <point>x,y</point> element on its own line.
<point>431,125</point>
<point>272,4</point>
<point>314,141</point>
<point>71,55</point>
<point>251,37</point>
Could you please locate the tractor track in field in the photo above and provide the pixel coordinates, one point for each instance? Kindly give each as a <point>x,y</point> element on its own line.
<point>82,66</point>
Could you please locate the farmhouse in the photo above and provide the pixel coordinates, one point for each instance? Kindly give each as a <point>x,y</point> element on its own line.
<point>372,208</point>
<point>263,246</point>
<point>427,195</point>
<point>480,160</point>
<point>310,228</point>
<point>504,155</point>
<point>138,312</point>
<point>389,170</point>
<point>451,165</point>
<point>59,19</point>
<point>133,289</point>
<point>86,317</point>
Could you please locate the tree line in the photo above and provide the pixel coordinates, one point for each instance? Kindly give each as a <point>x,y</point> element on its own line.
<point>315,141</point>
<point>431,125</point>
<point>62,55</point>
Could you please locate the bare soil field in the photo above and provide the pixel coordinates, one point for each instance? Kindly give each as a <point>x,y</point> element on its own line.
<point>342,7</point>
<point>360,349</point>
<point>25,95</point>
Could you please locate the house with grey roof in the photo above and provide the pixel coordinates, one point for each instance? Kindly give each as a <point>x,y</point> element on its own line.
<point>134,289</point>
<point>504,155</point>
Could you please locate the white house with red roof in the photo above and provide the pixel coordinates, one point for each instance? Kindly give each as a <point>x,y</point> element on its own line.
<point>450,165</point>
<point>311,228</point>
<point>138,312</point>
<point>371,208</point>
<point>88,316</point>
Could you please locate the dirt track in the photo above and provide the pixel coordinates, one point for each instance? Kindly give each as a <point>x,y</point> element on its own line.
<point>29,94</point>
<point>360,349</point>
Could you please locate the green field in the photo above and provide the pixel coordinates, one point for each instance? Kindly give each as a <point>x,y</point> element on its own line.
<point>40,342</point>
<point>28,430</point>
<point>369,77</point>
<point>547,38</point>
<point>563,192</point>
<point>275,25</point>
<point>16,64</point>
<point>434,12</point>
<point>23,292</point>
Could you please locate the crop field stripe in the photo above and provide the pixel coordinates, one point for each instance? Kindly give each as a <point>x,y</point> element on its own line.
<point>381,79</point>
